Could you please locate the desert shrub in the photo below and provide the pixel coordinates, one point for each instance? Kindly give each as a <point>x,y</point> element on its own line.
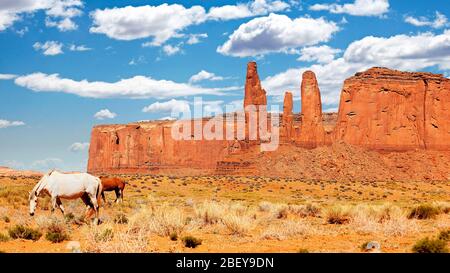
<point>265,206</point>
<point>123,241</point>
<point>120,218</point>
<point>302,250</point>
<point>56,233</point>
<point>173,236</point>
<point>424,211</point>
<point>69,217</point>
<point>167,220</point>
<point>444,235</point>
<point>428,245</point>
<point>444,207</point>
<point>4,237</point>
<point>286,229</point>
<point>210,212</point>
<point>6,219</point>
<point>338,215</point>
<point>311,210</point>
<point>237,224</point>
<point>282,213</point>
<point>191,241</point>
<point>104,235</point>
<point>24,232</point>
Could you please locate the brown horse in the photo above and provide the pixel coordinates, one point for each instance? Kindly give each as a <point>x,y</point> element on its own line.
<point>113,184</point>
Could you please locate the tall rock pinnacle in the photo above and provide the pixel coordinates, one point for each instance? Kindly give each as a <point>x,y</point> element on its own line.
<point>255,96</point>
<point>288,117</point>
<point>312,132</point>
<point>254,93</point>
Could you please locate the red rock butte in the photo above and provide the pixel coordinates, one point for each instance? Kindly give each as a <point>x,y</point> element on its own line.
<point>385,114</point>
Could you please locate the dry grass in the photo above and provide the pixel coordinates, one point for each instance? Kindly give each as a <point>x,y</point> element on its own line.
<point>163,221</point>
<point>286,229</point>
<point>111,239</point>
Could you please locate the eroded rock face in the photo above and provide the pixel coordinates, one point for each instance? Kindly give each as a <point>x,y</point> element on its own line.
<point>380,109</point>
<point>146,147</point>
<point>386,109</point>
<point>312,133</point>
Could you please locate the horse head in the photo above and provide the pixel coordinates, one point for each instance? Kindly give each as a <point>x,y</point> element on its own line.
<point>33,201</point>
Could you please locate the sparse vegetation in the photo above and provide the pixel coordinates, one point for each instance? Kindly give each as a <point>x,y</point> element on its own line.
<point>235,213</point>
<point>4,237</point>
<point>56,233</point>
<point>120,218</point>
<point>338,215</point>
<point>173,236</point>
<point>24,232</point>
<point>104,235</point>
<point>424,211</point>
<point>428,245</point>
<point>444,235</point>
<point>191,241</point>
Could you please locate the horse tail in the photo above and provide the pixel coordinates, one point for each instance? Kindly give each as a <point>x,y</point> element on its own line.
<point>98,194</point>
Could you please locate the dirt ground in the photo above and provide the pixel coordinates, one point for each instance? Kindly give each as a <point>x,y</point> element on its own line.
<point>257,215</point>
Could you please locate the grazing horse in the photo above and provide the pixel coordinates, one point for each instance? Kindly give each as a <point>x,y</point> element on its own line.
<point>68,186</point>
<point>113,184</point>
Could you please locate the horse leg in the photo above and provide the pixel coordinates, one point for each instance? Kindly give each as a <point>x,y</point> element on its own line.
<point>89,206</point>
<point>59,203</point>
<point>117,190</point>
<point>103,197</point>
<point>96,207</point>
<point>121,195</point>
<point>54,203</point>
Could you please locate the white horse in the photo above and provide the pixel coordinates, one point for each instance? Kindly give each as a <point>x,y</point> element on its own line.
<point>68,186</point>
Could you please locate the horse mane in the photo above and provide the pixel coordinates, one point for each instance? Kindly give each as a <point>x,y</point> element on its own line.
<point>36,187</point>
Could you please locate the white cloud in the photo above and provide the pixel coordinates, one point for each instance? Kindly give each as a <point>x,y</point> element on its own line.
<point>321,54</point>
<point>170,50</point>
<point>105,114</point>
<point>63,25</point>
<point>166,21</point>
<point>49,48</point>
<point>357,8</point>
<point>167,107</point>
<point>7,76</point>
<point>22,31</point>
<point>439,21</point>
<point>205,75</point>
<point>212,107</point>
<point>159,22</point>
<point>137,87</point>
<point>139,60</point>
<point>62,10</point>
<point>6,123</point>
<point>195,38</point>
<point>276,33</point>
<point>78,146</point>
<point>167,118</point>
<point>250,9</point>
<point>73,47</point>
<point>47,164</point>
<point>13,164</point>
<point>403,52</point>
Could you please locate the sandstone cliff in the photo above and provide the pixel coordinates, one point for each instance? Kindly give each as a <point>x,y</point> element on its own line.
<point>391,110</point>
<point>380,109</point>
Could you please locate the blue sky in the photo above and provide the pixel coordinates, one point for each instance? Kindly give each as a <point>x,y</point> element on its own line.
<point>67,65</point>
